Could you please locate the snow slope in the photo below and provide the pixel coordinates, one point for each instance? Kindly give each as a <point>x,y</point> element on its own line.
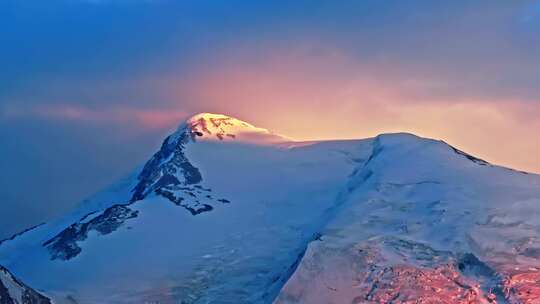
<point>205,220</point>
<point>225,212</point>
<point>13,291</point>
<point>424,222</point>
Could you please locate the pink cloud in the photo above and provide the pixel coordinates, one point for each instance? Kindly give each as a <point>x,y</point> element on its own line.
<point>332,96</point>
<point>143,118</point>
<point>325,94</point>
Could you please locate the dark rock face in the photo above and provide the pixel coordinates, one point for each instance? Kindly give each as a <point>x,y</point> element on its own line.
<point>20,233</point>
<point>165,167</point>
<point>170,174</point>
<point>474,159</point>
<point>64,245</point>
<point>28,295</point>
<point>194,209</point>
<point>5,298</point>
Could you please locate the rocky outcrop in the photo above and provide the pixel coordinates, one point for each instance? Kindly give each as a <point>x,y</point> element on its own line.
<point>168,167</point>
<point>13,291</point>
<point>170,174</point>
<point>64,245</point>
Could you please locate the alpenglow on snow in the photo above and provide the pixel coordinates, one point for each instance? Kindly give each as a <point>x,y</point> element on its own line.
<point>226,212</point>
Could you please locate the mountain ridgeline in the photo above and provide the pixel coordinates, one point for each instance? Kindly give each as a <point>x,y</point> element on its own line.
<point>226,212</point>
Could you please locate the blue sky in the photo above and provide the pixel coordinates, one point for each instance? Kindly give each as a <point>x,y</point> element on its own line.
<point>88,89</point>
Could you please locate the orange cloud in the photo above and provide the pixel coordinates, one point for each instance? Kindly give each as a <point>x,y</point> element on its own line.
<point>324,94</point>
<point>331,96</point>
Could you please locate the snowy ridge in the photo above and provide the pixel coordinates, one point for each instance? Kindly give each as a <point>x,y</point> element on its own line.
<point>225,212</point>
<point>13,291</point>
<point>170,173</point>
<point>418,225</point>
<point>218,127</point>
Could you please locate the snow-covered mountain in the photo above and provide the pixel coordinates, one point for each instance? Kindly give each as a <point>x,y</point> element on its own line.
<point>226,212</point>
<point>13,291</point>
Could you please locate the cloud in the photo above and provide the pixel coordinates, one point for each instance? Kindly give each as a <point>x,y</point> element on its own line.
<point>149,119</point>
<point>326,94</point>
<point>314,92</point>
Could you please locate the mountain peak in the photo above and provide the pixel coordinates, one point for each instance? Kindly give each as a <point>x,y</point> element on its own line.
<point>208,116</point>
<point>219,127</point>
<point>392,217</point>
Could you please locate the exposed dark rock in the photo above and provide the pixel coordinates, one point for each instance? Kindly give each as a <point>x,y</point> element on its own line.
<point>167,180</point>
<point>202,208</point>
<point>469,263</point>
<point>193,206</point>
<point>64,245</point>
<point>5,298</point>
<point>491,281</point>
<point>170,174</point>
<point>164,168</point>
<point>474,159</point>
<point>21,233</point>
<point>27,294</point>
<point>170,196</point>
